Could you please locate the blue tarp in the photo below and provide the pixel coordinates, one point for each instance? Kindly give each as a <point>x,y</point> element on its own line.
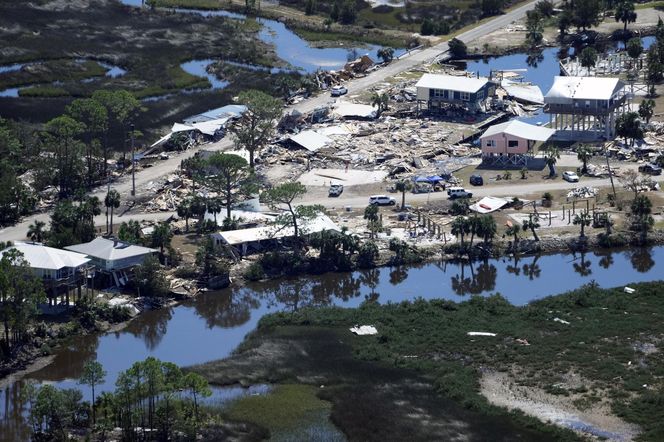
<point>433,179</point>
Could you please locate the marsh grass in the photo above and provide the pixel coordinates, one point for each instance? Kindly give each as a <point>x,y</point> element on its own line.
<point>600,343</point>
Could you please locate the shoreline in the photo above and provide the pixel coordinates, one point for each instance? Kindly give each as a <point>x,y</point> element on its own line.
<point>431,254</point>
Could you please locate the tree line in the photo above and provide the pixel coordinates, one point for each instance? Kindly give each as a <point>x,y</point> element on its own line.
<point>152,400</point>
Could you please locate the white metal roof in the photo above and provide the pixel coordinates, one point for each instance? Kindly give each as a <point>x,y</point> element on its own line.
<point>566,89</point>
<point>452,82</point>
<point>235,237</point>
<point>524,92</point>
<point>355,110</point>
<point>42,257</point>
<point>109,249</point>
<point>520,129</point>
<point>488,204</point>
<point>311,140</point>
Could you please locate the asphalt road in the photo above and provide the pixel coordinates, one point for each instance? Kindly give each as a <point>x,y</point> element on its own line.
<point>165,167</point>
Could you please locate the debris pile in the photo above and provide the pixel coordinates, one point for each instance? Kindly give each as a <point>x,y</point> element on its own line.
<point>582,192</point>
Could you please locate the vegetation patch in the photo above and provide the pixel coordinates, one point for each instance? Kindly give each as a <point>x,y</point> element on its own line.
<point>288,411</point>
<point>599,334</point>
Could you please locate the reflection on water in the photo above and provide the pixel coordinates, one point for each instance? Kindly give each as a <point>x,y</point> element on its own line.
<point>212,325</point>
<point>289,46</point>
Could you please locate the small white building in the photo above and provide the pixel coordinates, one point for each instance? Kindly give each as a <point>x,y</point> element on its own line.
<point>245,241</point>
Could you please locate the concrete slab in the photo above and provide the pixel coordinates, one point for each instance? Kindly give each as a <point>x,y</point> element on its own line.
<point>350,177</point>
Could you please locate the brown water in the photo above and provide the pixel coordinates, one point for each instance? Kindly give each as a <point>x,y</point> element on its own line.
<point>214,324</point>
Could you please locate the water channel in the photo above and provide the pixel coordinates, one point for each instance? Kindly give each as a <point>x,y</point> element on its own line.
<point>212,325</point>
<point>537,68</point>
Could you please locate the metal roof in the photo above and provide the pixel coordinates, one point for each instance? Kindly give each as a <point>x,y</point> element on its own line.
<point>42,257</point>
<point>567,89</point>
<point>110,249</point>
<point>452,83</point>
<point>354,110</point>
<point>231,110</point>
<point>520,129</point>
<point>235,237</point>
<point>311,140</point>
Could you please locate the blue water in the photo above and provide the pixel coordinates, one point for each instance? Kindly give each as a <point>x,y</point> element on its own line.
<point>112,71</point>
<point>540,69</point>
<point>290,47</point>
<point>215,323</point>
<point>198,68</point>
<point>11,67</point>
<point>11,92</point>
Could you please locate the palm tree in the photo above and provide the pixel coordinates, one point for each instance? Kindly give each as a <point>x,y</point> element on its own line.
<point>584,153</point>
<point>36,231</point>
<point>641,216</point>
<point>214,206</point>
<point>625,13</point>
<point>583,219</point>
<point>184,211</point>
<point>403,186</point>
<point>551,156</point>
<point>161,237</point>
<point>513,230</point>
<point>380,101</point>
<point>460,227</point>
<point>531,224</point>
<point>487,228</point>
<point>112,201</point>
<point>373,219</point>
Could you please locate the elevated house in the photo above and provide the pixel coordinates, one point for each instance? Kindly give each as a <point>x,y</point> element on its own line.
<point>585,108</point>
<point>512,143</point>
<point>439,91</point>
<point>60,270</point>
<point>113,258</point>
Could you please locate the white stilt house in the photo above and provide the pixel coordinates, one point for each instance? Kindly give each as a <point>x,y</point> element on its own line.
<point>585,108</point>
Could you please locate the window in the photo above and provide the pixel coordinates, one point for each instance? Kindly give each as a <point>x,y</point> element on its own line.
<point>490,143</point>
<point>587,103</point>
<point>513,143</point>
<point>465,96</point>
<point>437,93</point>
<point>480,95</point>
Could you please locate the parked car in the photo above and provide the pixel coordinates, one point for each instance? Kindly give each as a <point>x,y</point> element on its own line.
<point>650,169</point>
<point>335,190</point>
<point>382,200</point>
<point>338,91</point>
<point>476,180</point>
<point>458,192</point>
<point>570,176</point>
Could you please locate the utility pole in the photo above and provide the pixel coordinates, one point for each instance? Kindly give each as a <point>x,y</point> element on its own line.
<point>608,166</point>
<point>133,163</point>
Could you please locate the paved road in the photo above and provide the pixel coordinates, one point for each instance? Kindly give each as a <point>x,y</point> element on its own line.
<point>162,168</point>
<point>360,201</point>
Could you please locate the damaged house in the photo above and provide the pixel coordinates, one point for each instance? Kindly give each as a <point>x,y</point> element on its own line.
<point>439,91</point>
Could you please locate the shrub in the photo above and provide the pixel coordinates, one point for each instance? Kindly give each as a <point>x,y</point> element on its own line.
<point>254,272</point>
<point>186,272</point>
<point>367,255</point>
